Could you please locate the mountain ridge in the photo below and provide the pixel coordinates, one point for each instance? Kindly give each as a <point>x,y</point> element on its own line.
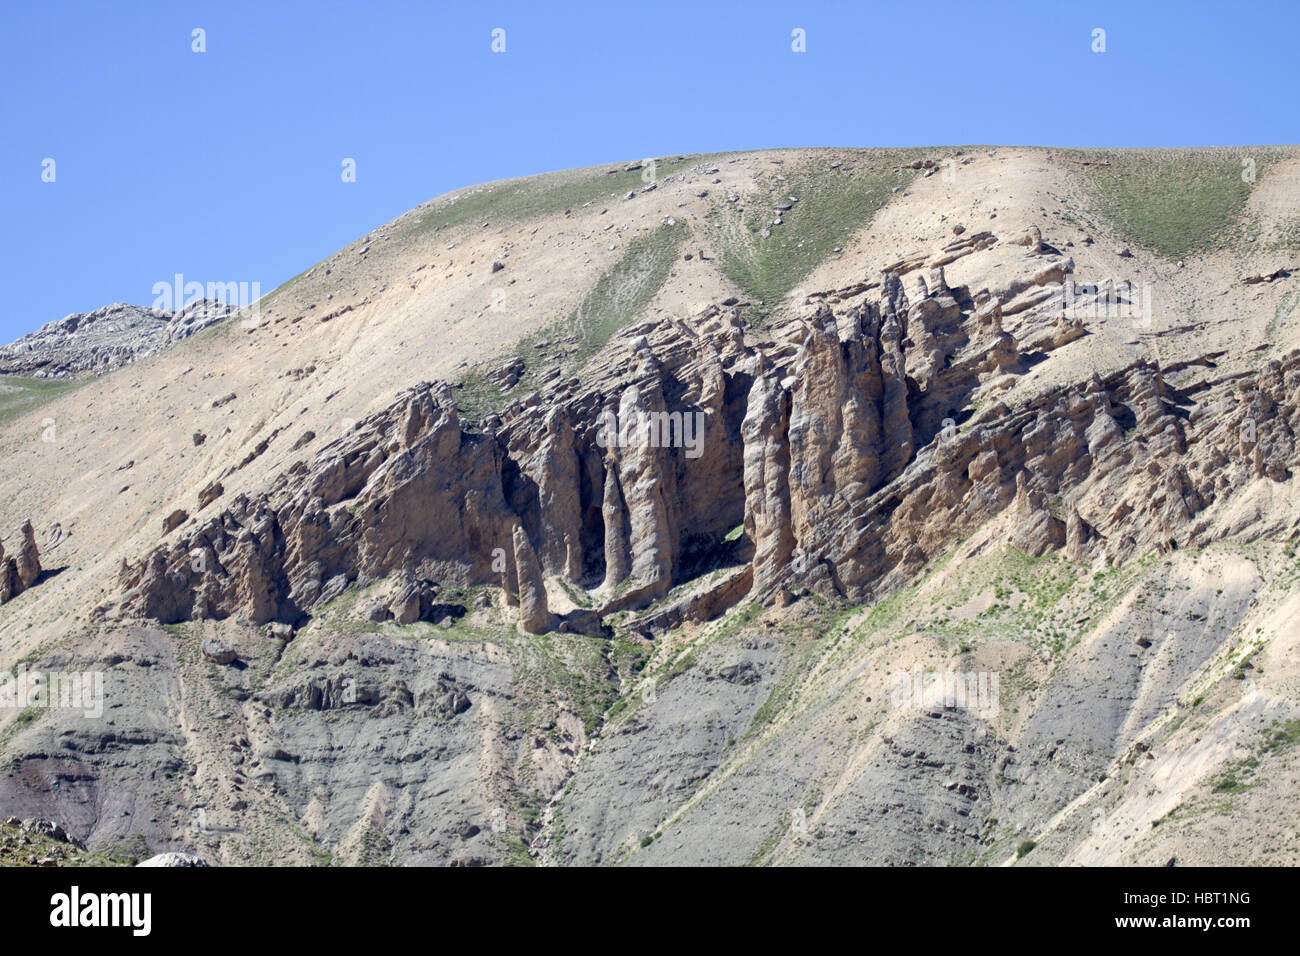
<point>964,380</point>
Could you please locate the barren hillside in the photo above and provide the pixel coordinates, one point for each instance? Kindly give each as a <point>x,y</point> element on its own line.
<point>369,578</point>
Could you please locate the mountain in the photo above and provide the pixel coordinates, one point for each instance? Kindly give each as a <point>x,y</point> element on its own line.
<point>931,506</point>
<point>105,339</point>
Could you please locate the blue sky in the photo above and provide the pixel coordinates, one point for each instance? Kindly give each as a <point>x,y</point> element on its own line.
<point>225,165</point>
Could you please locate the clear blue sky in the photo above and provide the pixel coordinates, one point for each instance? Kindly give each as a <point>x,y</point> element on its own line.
<point>225,165</point>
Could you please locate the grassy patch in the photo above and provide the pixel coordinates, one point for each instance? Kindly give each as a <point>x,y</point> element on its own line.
<point>789,693</point>
<point>1172,202</point>
<point>770,843</point>
<point>1281,736</point>
<point>625,290</point>
<point>19,395</point>
<point>568,667</point>
<point>26,718</point>
<point>1235,777</point>
<point>832,204</point>
<point>619,296</point>
<point>21,846</point>
<point>536,196</point>
<point>1286,235</point>
<point>518,850</point>
<point>509,200</point>
<point>1281,314</point>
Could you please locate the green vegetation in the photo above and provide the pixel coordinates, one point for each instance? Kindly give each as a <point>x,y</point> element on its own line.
<point>831,205</point>
<point>789,691</point>
<point>536,196</point>
<point>1031,600</point>
<point>1286,235</point>
<point>770,842</point>
<point>519,855</point>
<point>1281,736</point>
<point>1234,779</point>
<point>511,200</point>
<point>1285,307</point>
<point>579,597</point>
<point>622,293</point>
<point>1173,202</point>
<point>28,846</point>
<point>1239,776</point>
<point>569,667</point>
<point>619,297</point>
<point>1025,849</point>
<point>21,395</point>
<point>25,719</point>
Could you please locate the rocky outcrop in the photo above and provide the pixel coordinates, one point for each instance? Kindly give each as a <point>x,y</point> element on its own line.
<point>614,516</point>
<point>22,569</point>
<point>217,650</point>
<point>533,615</point>
<point>557,493</point>
<point>1035,531</point>
<point>210,493</point>
<point>28,557</point>
<point>642,452</point>
<point>407,491</point>
<point>1078,536</point>
<point>850,446</point>
<point>768,519</point>
<point>9,587</point>
<point>105,339</point>
<point>174,520</point>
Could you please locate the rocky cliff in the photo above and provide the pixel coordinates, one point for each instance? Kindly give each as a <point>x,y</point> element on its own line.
<point>853,444</point>
<point>543,535</point>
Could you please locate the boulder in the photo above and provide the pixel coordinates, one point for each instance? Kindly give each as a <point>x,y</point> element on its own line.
<point>209,493</point>
<point>217,650</point>
<point>175,520</point>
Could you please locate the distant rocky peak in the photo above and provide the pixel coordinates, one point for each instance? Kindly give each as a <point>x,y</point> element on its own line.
<point>91,343</point>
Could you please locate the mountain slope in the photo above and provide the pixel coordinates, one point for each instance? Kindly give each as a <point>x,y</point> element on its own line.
<point>951,417</point>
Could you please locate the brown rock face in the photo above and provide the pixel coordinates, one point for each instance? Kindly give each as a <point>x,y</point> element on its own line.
<point>768,520</point>
<point>534,617</point>
<point>1078,536</point>
<point>1034,530</point>
<point>28,558</point>
<point>614,515</point>
<point>647,477</point>
<point>22,569</point>
<point>210,493</point>
<point>558,499</point>
<point>408,490</point>
<point>896,423</point>
<point>851,446</point>
<point>9,586</point>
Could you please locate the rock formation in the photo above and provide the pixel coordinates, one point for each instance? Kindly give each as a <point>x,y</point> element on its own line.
<point>22,569</point>
<point>105,339</point>
<point>853,445</point>
<point>533,615</point>
<point>637,601</point>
